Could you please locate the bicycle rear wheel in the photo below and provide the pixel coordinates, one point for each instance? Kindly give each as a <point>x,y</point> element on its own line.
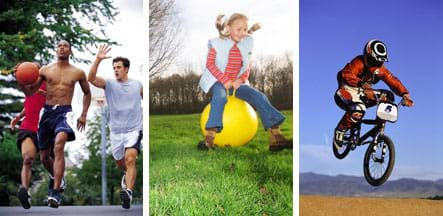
<point>379,161</point>
<point>343,151</point>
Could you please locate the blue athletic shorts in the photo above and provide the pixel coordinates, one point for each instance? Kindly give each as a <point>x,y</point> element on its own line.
<point>52,122</point>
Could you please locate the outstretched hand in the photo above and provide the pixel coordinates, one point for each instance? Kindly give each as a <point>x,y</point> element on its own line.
<point>103,52</point>
<point>81,123</point>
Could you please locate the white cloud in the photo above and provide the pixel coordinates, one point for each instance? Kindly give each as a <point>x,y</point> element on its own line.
<point>320,159</point>
<point>416,172</point>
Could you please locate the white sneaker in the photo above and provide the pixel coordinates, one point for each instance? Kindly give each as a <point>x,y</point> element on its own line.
<point>54,198</point>
<point>62,185</point>
<point>338,138</point>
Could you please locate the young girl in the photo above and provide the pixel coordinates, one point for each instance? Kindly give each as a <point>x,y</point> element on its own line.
<point>227,68</point>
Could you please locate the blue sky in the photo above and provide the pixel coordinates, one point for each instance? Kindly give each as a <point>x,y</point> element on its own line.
<point>331,34</point>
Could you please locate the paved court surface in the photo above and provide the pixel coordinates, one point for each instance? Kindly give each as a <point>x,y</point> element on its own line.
<point>135,210</point>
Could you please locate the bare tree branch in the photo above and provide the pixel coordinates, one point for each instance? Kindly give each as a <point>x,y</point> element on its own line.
<point>164,36</point>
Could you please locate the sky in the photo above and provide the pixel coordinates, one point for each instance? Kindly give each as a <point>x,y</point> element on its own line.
<point>334,32</point>
<point>274,38</point>
<point>128,31</point>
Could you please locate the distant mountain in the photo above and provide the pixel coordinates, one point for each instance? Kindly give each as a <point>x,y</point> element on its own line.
<point>343,185</point>
<point>440,181</point>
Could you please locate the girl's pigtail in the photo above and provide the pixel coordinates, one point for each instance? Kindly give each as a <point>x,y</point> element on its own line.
<point>254,28</point>
<point>220,24</point>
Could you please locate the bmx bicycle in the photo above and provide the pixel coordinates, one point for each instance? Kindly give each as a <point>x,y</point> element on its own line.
<point>380,155</point>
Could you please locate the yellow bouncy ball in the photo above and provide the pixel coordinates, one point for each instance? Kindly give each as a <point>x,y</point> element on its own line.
<point>239,123</point>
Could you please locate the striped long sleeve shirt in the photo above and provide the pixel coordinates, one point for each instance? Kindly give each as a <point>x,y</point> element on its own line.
<point>232,68</point>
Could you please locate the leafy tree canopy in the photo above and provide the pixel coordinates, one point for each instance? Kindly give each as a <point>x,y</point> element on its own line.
<point>30,29</point>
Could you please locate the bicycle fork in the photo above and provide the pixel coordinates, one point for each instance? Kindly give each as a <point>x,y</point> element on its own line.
<point>383,148</point>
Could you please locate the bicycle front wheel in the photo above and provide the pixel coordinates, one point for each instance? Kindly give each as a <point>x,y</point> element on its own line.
<point>379,161</point>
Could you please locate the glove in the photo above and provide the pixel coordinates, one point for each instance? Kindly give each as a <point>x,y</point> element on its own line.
<point>369,93</point>
<point>367,90</point>
<point>406,101</point>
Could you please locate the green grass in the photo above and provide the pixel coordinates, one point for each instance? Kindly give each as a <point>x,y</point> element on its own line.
<point>183,180</point>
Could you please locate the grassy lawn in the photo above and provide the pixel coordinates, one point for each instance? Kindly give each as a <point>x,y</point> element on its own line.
<point>183,180</point>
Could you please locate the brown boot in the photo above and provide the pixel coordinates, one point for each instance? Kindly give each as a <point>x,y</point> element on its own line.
<point>277,141</point>
<point>208,143</point>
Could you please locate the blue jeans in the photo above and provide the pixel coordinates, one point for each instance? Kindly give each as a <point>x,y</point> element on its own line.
<point>268,114</point>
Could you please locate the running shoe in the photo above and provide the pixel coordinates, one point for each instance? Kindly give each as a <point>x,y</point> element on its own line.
<point>126,198</point>
<point>24,197</point>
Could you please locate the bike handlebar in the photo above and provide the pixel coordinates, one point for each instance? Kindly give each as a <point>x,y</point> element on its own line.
<point>382,98</point>
<point>369,121</point>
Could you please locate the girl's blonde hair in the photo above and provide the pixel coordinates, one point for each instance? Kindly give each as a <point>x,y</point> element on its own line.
<point>222,24</point>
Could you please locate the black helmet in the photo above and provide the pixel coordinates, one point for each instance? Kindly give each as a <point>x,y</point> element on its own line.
<point>375,51</point>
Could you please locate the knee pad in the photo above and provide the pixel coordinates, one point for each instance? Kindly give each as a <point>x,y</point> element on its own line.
<point>357,116</point>
<point>358,109</point>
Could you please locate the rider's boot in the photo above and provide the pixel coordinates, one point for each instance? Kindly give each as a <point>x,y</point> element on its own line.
<point>277,141</point>
<point>338,137</point>
<point>339,132</point>
<point>208,143</point>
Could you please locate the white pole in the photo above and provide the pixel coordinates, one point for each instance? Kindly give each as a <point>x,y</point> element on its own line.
<point>103,151</point>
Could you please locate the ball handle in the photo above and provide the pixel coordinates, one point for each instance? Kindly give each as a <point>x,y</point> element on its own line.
<point>233,92</point>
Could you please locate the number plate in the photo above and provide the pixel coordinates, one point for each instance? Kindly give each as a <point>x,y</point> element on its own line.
<point>387,111</point>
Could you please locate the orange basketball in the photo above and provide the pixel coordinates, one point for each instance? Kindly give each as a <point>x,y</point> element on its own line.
<point>27,73</point>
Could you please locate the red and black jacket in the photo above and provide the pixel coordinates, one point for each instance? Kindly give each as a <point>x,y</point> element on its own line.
<point>356,73</point>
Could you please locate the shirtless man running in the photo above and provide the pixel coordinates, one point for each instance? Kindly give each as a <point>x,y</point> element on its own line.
<point>60,78</point>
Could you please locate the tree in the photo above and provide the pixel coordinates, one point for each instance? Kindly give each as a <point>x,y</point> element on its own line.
<point>29,30</point>
<point>176,94</point>
<point>11,161</point>
<point>180,93</point>
<point>10,170</point>
<point>164,39</point>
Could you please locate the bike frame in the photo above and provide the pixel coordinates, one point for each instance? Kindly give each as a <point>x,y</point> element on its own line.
<point>379,158</point>
<point>373,132</point>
